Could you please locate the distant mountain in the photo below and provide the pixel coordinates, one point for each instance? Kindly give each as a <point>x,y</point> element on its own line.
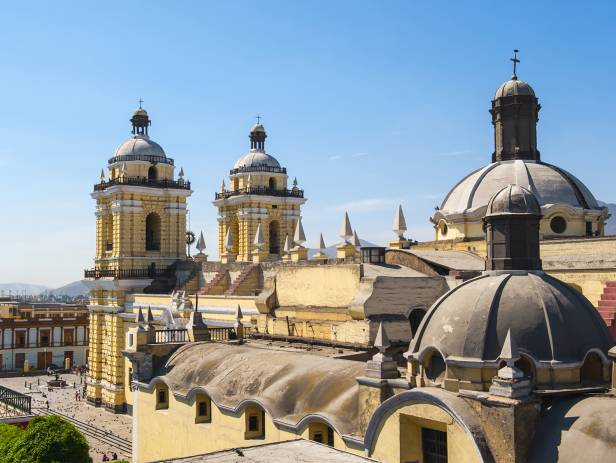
<point>74,289</point>
<point>330,251</point>
<point>610,226</point>
<point>21,288</point>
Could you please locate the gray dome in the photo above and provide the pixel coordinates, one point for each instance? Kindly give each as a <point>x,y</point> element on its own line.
<point>513,199</point>
<point>257,128</point>
<point>549,184</point>
<point>549,320</point>
<point>256,158</point>
<point>514,87</point>
<point>140,145</point>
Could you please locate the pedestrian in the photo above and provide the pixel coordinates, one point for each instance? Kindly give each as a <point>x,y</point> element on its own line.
<point>114,456</point>
<point>47,402</point>
<point>105,457</point>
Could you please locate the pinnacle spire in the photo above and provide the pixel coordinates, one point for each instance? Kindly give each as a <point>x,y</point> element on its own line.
<point>287,244</point>
<point>181,174</point>
<point>321,243</point>
<point>346,232</point>
<point>238,313</point>
<point>259,239</point>
<point>300,237</point>
<point>356,241</point>
<point>510,352</point>
<point>150,318</point>
<point>140,319</point>
<point>102,175</point>
<point>201,243</point>
<point>381,342</point>
<point>399,223</point>
<point>222,186</point>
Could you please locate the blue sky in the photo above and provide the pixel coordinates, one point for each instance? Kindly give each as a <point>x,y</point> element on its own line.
<point>369,104</point>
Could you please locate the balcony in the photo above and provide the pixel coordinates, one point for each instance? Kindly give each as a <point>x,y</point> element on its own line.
<point>247,169</point>
<point>120,274</point>
<point>261,190</point>
<point>142,157</point>
<point>142,181</point>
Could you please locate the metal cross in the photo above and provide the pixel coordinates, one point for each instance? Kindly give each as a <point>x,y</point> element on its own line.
<point>515,61</point>
<point>140,103</point>
<point>258,118</point>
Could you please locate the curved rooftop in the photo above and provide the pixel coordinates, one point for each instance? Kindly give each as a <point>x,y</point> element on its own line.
<point>140,145</point>
<point>513,199</point>
<point>290,386</point>
<point>514,87</point>
<point>256,158</point>
<point>549,320</point>
<point>550,184</point>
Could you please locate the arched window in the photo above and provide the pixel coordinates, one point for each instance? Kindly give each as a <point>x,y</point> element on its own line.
<point>152,174</point>
<point>322,433</point>
<point>152,232</point>
<point>434,367</point>
<point>272,183</point>
<point>527,367</point>
<point>415,318</point>
<point>274,237</point>
<point>162,397</point>
<point>592,369</point>
<point>203,409</point>
<point>255,422</point>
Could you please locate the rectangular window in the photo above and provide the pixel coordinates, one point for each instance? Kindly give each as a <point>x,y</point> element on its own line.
<point>20,339</point>
<point>162,396</point>
<point>162,400</point>
<point>19,360</point>
<point>434,446</point>
<point>202,408</point>
<point>69,337</point>
<point>45,338</point>
<point>588,228</point>
<point>318,437</point>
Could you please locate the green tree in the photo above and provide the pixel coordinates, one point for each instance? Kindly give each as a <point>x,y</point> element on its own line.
<point>9,434</point>
<point>48,439</point>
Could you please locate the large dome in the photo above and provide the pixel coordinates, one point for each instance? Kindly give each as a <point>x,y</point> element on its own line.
<point>549,321</point>
<point>550,184</point>
<point>140,145</point>
<point>256,158</point>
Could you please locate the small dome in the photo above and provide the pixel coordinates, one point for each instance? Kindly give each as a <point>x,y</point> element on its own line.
<point>549,320</point>
<point>140,145</point>
<point>513,199</point>
<point>256,158</point>
<point>257,128</point>
<point>140,112</point>
<point>514,87</point>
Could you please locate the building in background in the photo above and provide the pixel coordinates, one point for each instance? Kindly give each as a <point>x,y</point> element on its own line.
<point>35,336</point>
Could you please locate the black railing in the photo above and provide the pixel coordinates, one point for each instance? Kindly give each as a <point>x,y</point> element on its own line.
<point>262,190</point>
<point>169,336</point>
<point>127,273</point>
<point>274,170</point>
<point>14,403</point>
<point>142,157</point>
<point>142,181</point>
<point>41,345</point>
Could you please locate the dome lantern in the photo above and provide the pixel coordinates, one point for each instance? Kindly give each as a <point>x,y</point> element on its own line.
<point>512,230</point>
<point>515,112</point>
<point>140,121</point>
<point>257,136</point>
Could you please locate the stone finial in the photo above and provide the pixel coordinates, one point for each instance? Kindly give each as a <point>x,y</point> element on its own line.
<point>248,181</point>
<point>295,182</point>
<point>102,175</point>
<point>346,232</point>
<point>140,320</point>
<point>399,223</point>
<point>229,240</point>
<point>181,174</point>
<point>123,170</point>
<point>287,244</point>
<point>356,241</point>
<point>238,314</point>
<point>223,186</point>
<point>150,319</point>
<point>510,381</point>
<point>300,237</point>
<point>259,240</point>
<point>201,243</point>
<point>381,342</point>
<point>322,244</point>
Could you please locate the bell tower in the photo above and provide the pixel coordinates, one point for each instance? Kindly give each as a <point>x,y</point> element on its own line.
<point>140,232</point>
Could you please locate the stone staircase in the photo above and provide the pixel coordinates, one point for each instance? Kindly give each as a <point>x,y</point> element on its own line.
<point>217,285</point>
<point>246,283</point>
<point>607,306</point>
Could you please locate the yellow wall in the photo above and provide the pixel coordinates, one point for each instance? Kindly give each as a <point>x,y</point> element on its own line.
<point>398,438</point>
<point>172,432</point>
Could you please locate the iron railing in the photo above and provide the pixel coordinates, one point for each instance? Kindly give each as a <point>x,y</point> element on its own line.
<point>168,336</point>
<point>125,273</point>
<point>261,190</point>
<point>13,403</point>
<point>142,157</point>
<point>274,170</point>
<point>143,181</point>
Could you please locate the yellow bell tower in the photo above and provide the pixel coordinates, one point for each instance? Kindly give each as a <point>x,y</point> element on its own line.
<point>258,211</point>
<point>140,233</point>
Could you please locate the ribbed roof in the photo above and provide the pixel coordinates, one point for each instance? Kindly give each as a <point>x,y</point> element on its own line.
<point>514,87</point>
<point>140,145</point>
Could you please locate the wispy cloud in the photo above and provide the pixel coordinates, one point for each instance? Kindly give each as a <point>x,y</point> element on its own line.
<point>366,205</point>
<point>449,154</point>
<point>359,155</point>
<point>334,158</point>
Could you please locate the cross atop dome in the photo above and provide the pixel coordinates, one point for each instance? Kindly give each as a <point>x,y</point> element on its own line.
<point>515,62</point>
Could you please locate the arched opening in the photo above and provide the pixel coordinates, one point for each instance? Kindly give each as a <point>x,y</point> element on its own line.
<point>526,366</point>
<point>152,232</point>
<point>255,422</point>
<point>434,367</point>
<point>203,409</point>
<point>558,224</point>
<point>272,183</point>
<point>152,173</point>
<point>162,397</point>
<point>415,318</point>
<point>592,369</point>
<point>274,237</point>
<point>322,433</point>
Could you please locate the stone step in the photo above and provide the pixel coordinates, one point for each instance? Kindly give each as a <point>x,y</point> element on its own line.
<point>611,284</point>
<point>608,297</point>
<point>607,304</point>
<point>609,290</point>
<point>607,313</point>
